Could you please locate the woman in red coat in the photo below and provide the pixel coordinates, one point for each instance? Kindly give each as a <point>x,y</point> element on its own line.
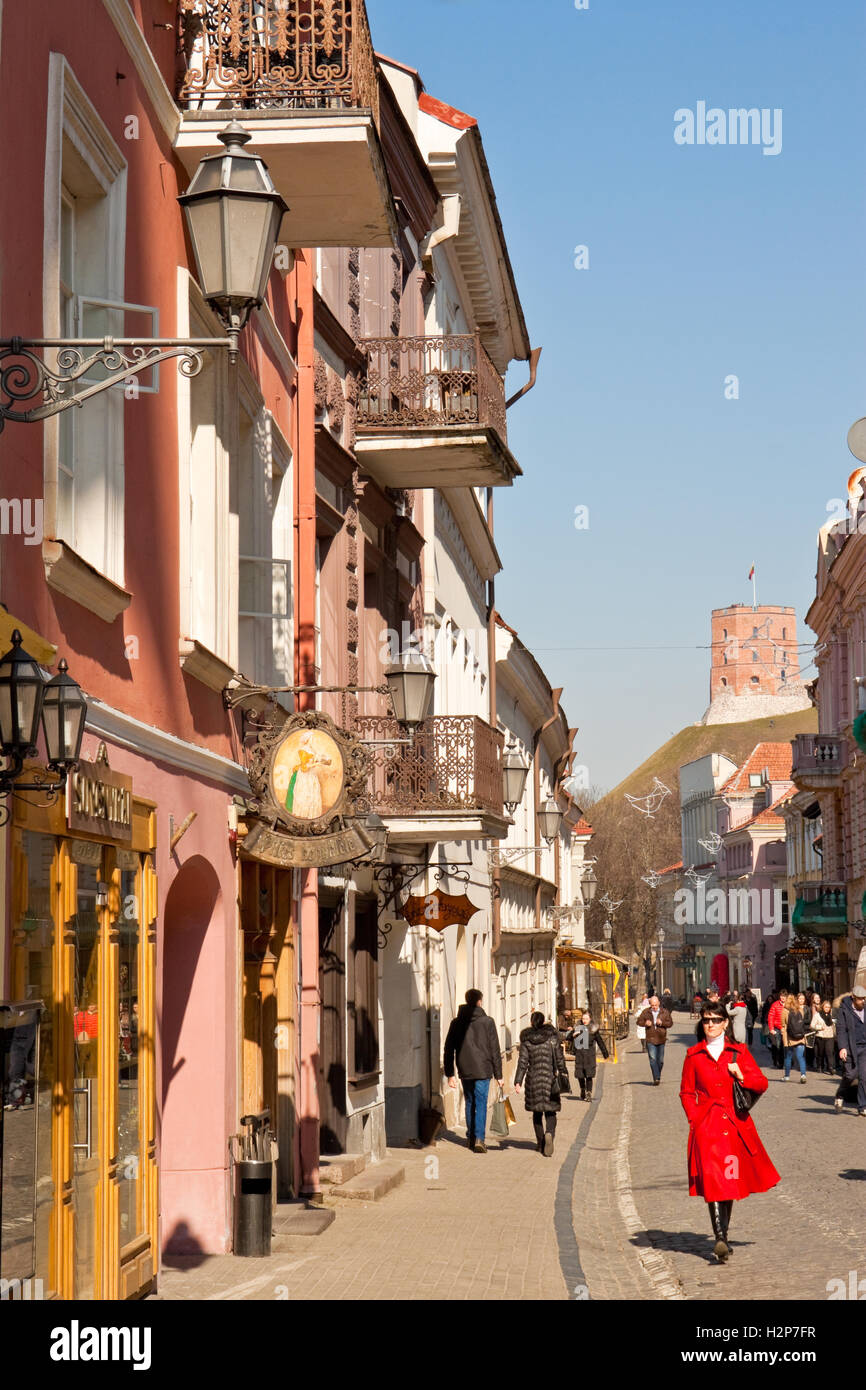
<point>727,1160</point>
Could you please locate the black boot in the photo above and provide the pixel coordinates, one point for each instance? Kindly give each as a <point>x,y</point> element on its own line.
<point>588,1092</point>
<point>720,1249</point>
<point>726,1209</point>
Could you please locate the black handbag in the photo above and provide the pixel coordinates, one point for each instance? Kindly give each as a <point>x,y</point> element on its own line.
<point>561,1084</point>
<point>744,1099</point>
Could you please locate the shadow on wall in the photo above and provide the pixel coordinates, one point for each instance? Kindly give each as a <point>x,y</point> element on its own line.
<point>189,910</point>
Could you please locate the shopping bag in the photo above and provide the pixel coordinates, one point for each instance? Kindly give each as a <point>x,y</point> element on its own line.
<point>509,1112</point>
<point>498,1120</point>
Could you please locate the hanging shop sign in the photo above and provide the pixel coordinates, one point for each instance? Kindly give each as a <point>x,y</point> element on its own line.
<point>310,781</point>
<point>100,801</point>
<point>439,910</point>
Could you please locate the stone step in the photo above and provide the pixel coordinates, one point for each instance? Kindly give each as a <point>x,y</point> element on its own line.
<point>300,1219</point>
<point>336,1169</point>
<point>371,1185</point>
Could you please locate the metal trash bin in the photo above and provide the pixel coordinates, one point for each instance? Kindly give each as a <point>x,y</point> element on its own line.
<point>254,1155</point>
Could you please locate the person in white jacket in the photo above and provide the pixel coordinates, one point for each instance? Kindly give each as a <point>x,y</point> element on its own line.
<point>736,1011</point>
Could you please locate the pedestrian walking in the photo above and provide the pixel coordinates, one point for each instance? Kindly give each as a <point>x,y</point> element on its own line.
<point>473,1042</point>
<point>851,1038</point>
<point>668,1001</point>
<point>585,1037</point>
<point>640,1031</point>
<point>656,1021</point>
<point>824,1022</point>
<point>737,1013</point>
<point>751,1001</point>
<point>774,1025</point>
<point>794,1027</point>
<point>726,1159</point>
<point>813,1028</point>
<point>542,1064</point>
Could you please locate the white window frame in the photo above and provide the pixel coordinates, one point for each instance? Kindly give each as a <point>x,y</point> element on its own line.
<point>72,119</point>
<point>196,319</point>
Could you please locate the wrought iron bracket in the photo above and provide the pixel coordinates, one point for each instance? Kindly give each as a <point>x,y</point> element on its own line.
<point>233,697</point>
<point>498,857</point>
<point>27,376</point>
<point>10,786</point>
<point>391,881</point>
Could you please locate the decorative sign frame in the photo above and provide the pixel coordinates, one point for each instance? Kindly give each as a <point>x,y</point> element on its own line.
<point>310,778</point>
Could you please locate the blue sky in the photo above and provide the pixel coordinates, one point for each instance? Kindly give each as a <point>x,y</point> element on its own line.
<point>704,261</point>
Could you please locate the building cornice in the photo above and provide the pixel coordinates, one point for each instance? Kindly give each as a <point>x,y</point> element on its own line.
<point>163,747</point>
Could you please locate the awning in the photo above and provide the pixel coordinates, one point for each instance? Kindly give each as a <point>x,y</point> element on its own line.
<point>586,954</point>
<point>824,915</point>
<point>40,649</point>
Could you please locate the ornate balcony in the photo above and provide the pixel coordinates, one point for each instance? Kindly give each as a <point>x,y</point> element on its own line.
<point>821,909</point>
<point>818,760</point>
<point>302,77</point>
<point>446,784</point>
<point>432,414</point>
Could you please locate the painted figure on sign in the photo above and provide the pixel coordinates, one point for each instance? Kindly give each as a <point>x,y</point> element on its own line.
<point>304,796</point>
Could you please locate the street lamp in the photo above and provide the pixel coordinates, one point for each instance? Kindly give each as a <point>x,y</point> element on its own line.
<point>662,957</point>
<point>515,770</point>
<point>589,887</point>
<point>233,214</point>
<point>549,819</point>
<point>28,699</point>
<point>410,683</point>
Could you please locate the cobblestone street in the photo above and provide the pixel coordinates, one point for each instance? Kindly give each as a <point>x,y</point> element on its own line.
<point>607,1218</point>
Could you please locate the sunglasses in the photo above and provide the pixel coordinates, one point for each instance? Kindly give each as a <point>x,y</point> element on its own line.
<point>714,1020</point>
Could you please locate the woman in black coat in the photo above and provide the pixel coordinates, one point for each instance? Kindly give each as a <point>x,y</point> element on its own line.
<point>585,1038</point>
<point>542,1063</point>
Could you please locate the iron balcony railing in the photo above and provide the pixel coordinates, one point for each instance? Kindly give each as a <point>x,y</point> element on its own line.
<point>291,54</point>
<point>430,383</point>
<point>453,763</point>
<point>819,755</point>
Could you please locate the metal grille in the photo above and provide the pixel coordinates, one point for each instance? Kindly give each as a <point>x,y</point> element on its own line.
<point>453,764</point>
<point>430,382</point>
<point>296,54</point>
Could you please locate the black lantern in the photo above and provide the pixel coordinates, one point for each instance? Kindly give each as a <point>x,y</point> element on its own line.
<point>549,820</point>
<point>589,887</point>
<point>22,687</point>
<point>64,710</point>
<point>410,682</point>
<point>515,770</point>
<point>233,213</point>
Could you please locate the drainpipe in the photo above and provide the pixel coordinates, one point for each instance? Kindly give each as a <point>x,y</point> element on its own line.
<point>536,802</point>
<point>496,876</point>
<point>305,656</point>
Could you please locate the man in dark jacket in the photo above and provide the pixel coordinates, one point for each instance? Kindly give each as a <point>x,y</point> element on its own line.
<point>851,1041</point>
<point>656,1020</point>
<point>474,1042</point>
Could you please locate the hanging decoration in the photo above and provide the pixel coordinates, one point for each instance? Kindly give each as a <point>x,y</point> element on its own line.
<point>651,803</point>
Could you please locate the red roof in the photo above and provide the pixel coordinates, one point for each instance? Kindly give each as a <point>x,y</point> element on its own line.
<point>582,828</point>
<point>449,115</point>
<point>670,868</point>
<point>776,757</point>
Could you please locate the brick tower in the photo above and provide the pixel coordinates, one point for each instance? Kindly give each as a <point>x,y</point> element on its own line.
<point>755,665</point>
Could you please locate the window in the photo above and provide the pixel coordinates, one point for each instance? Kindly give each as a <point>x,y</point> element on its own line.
<point>85,238</point>
<point>264,547</point>
<point>724,680</point>
<point>755,681</point>
<point>755,779</point>
<point>754,656</point>
<point>364,1002</point>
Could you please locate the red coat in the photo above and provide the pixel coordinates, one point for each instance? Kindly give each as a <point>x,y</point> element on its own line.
<point>726,1157</point>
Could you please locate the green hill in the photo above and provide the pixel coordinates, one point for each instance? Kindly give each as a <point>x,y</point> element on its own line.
<point>735,741</point>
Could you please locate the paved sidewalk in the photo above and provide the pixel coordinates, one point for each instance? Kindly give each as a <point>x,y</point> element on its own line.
<point>462,1226</point>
